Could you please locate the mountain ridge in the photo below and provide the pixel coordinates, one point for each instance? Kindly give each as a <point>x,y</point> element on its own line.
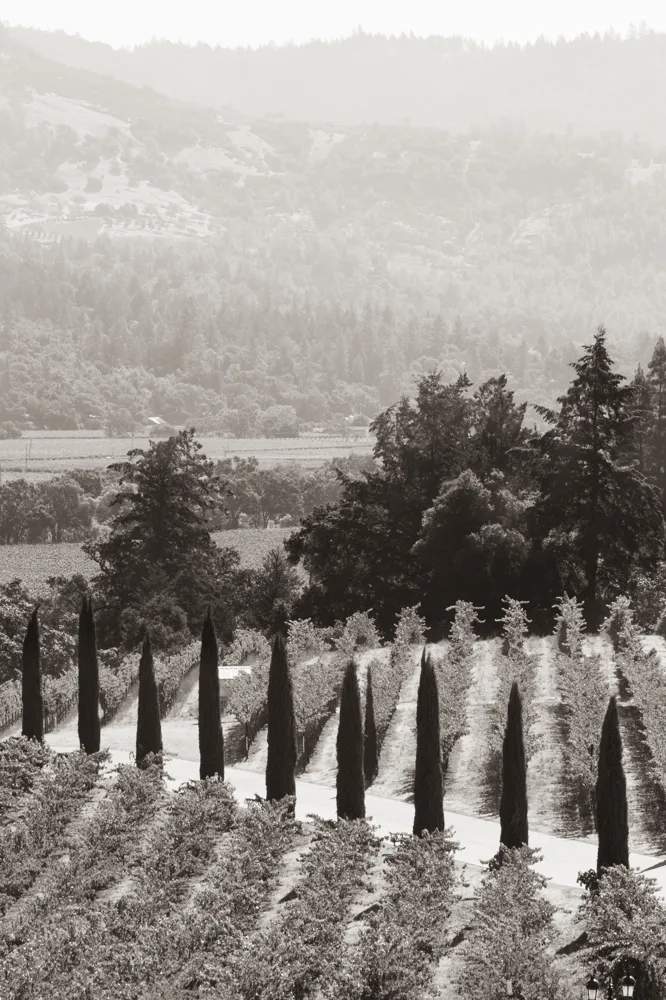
<point>211,266</point>
<point>590,84</point>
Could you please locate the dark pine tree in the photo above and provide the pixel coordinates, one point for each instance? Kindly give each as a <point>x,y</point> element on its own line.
<point>31,685</point>
<point>89,724</point>
<point>513,803</point>
<point>149,727</point>
<point>588,492</point>
<point>642,421</point>
<point>351,781</point>
<point>370,749</point>
<point>611,795</point>
<point>428,780</point>
<point>656,445</point>
<point>281,762</point>
<point>211,739</point>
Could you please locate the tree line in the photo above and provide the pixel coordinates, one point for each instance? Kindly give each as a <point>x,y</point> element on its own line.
<point>76,505</point>
<point>464,501</point>
<point>470,503</point>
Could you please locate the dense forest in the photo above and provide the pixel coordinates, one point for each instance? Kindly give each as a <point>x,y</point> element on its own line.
<point>303,276</point>
<point>598,83</point>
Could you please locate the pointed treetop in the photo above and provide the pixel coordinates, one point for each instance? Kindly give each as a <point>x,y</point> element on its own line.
<point>657,363</point>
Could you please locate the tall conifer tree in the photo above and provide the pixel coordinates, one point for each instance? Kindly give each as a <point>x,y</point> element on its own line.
<point>351,781</point>
<point>211,738</point>
<point>89,722</point>
<point>149,727</point>
<point>31,683</point>
<point>513,803</point>
<point>281,762</point>
<point>370,748</point>
<point>656,465</point>
<point>611,795</point>
<point>587,490</point>
<point>642,418</point>
<point>428,780</point>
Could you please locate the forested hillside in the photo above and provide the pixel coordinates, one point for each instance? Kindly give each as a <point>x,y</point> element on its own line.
<point>303,274</point>
<point>592,84</point>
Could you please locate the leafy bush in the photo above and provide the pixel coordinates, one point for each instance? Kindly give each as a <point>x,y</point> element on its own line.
<point>624,920</point>
<point>461,633</point>
<point>56,798</point>
<point>569,626</point>
<point>404,938</point>
<point>247,642</point>
<point>306,639</point>
<point>647,682</point>
<point>299,954</point>
<point>584,694</point>
<point>515,626</point>
<point>620,627</point>
<point>512,932</point>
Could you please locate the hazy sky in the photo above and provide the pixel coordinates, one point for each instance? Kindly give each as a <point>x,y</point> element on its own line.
<point>257,22</point>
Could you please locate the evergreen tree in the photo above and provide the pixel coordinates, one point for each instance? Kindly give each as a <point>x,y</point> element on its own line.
<point>498,427</point>
<point>149,727</point>
<point>608,513</point>
<point>370,748</point>
<point>641,410</point>
<point>513,804</point>
<point>211,738</point>
<point>31,683</point>
<point>281,762</point>
<point>656,465</point>
<point>428,781</point>
<point>611,795</point>
<point>159,556</point>
<point>350,783</point>
<point>89,723</point>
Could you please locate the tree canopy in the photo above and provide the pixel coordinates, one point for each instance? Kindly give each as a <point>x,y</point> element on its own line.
<point>159,554</point>
<point>468,503</point>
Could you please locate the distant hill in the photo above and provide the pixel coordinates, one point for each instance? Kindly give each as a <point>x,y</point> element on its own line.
<point>591,84</point>
<point>245,273</point>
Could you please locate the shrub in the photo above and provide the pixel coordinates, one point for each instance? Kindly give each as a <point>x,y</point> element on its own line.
<point>461,634</point>
<point>247,642</point>
<point>569,626</point>
<point>620,627</point>
<point>514,626</point>
<point>624,920</point>
<point>512,930</point>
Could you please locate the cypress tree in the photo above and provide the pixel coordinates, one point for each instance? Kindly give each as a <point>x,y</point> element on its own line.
<point>281,762</point>
<point>211,738</point>
<point>513,804</point>
<point>350,781</point>
<point>370,749</point>
<point>428,780</point>
<point>149,728</point>
<point>89,724</point>
<point>31,683</point>
<point>611,795</point>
